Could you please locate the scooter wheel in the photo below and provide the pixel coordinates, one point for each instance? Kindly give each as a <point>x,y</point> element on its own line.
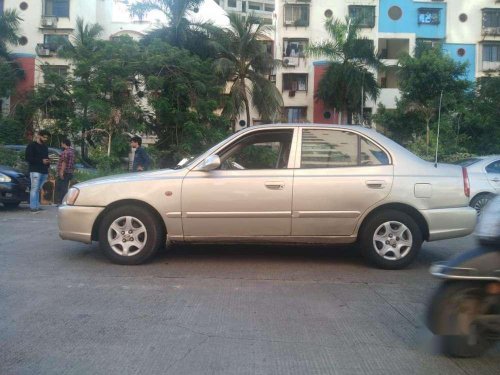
<point>451,314</point>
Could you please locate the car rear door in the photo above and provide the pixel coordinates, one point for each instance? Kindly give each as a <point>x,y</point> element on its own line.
<point>493,175</point>
<point>341,174</point>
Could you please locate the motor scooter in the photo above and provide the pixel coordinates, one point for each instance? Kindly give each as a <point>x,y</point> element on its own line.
<point>464,312</point>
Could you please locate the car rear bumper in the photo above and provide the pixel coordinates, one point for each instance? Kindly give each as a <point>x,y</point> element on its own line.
<point>76,222</point>
<point>450,222</point>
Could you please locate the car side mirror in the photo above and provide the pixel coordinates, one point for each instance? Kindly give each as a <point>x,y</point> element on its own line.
<point>210,163</point>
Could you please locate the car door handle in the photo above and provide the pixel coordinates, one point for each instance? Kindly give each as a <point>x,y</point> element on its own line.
<point>496,179</point>
<point>375,184</point>
<point>275,185</point>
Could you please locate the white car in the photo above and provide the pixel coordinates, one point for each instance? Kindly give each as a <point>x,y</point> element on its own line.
<point>484,177</point>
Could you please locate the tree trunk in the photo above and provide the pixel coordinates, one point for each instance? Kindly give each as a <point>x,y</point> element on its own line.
<point>340,117</point>
<point>428,135</point>
<point>109,143</point>
<point>247,109</point>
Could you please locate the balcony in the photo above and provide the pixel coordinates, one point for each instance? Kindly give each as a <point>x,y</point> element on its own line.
<point>43,50</point>
<point>391,49</point>
<point>49,22</point>
<point>491,31</point>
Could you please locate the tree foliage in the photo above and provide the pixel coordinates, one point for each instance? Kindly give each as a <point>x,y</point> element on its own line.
<point>10,71</point>
<point>348,74</point>
<point>244,62</point>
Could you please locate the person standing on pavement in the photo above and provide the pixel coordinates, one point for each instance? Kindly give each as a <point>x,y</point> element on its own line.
<point>65,169</point>
<point>37,156</point>
<point>141,157</point>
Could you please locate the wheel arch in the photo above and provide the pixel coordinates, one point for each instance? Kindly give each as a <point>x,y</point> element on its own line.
<point>407,209</point>
<point>135,202</point>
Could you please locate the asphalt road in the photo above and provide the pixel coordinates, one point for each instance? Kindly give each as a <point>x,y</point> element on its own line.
<point>64,309</point>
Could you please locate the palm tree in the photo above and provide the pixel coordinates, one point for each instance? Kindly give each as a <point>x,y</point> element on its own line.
<point>176,12</point>
<point>10,70</point>
<point>243,61</point>
<point>348,80</point>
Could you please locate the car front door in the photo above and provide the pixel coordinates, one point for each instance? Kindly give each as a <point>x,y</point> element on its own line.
<point>340,175</point>
<point>248,195</point>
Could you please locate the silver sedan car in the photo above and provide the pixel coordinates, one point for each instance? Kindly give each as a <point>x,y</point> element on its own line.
<point>278,184</point>
<point>484,176</point>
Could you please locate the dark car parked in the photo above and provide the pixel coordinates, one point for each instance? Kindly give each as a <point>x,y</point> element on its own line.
<point>14,187</point>
<point>54,154</point>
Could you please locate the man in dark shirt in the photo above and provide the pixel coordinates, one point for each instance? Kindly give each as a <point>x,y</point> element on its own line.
<point>37,156</point>
<point>65,169</point>
<point>141,157</point>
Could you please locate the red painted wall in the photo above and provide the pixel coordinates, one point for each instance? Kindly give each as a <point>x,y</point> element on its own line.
<point>319,106</point>
<point>28,84</point>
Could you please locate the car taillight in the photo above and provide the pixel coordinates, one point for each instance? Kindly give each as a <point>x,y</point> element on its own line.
<point>465,175</point>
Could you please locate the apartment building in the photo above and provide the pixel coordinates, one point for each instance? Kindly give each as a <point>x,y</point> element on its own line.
<point>261,8</point>
<point>46,23</point>
<point>468,30</point>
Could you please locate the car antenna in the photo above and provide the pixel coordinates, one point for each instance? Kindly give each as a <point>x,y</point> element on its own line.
<point>439,123</point>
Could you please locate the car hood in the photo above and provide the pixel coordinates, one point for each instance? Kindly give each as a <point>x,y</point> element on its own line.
<point>132,177</point>
<point>11,172</point>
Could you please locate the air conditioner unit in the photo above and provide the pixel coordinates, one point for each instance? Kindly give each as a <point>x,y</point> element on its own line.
<point>43,52</point>
<point>289,23</point>
<point>47,22</point>
<point>291,61</point>
<point>291,93</point>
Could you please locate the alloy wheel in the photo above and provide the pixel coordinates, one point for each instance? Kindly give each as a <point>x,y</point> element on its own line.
<point>392,240</point>
<point>127,236</point>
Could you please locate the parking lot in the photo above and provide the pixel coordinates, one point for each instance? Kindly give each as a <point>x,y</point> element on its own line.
<point>65,309</point>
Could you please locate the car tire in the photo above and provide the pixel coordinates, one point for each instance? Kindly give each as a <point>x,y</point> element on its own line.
<point>130,235</point>
<point>390,239</point>
<point>11,205</point>
<point>480,201</point>
<point>450,314</point>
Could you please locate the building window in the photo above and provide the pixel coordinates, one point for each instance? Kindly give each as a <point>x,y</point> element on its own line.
<point>269,8</point>
<point>491,21</point>
<point>1,7</point>
<point>254,6</point>
<point>296,15</point>
<point>53,42</point>
<point>462,17</point>
<point>231,3</point>
<point>57,8</point>
<point>491,52</point>
<point>363,14</point>
<point>328,13</point>
<point>60,70</point>
<point>23,5</point>
<point>429,16</point>
<point>294,82</point>
<point>295,114</point>
<point>294,47</point>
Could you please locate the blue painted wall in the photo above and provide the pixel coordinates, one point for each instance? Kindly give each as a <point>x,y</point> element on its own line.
<point>469,57</point>
<point>408,23</point>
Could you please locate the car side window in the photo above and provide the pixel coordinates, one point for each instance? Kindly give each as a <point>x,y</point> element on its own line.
<point>326,148</point>
<point>371,154</point>
<point>264,150</point>
<point>493,167</point>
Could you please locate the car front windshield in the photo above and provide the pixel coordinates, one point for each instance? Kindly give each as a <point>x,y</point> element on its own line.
<point>191,160</point>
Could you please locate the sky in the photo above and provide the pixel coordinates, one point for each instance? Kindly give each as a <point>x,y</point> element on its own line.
<point>209,11</point>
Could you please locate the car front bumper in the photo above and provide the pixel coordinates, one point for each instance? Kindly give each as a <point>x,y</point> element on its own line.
<point>450,222</point>
<point>76,222</point>
<point>14,192</point>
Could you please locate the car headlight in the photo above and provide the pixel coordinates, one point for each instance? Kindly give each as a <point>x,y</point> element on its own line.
<point>4,178</point>
<point>71,196</point>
